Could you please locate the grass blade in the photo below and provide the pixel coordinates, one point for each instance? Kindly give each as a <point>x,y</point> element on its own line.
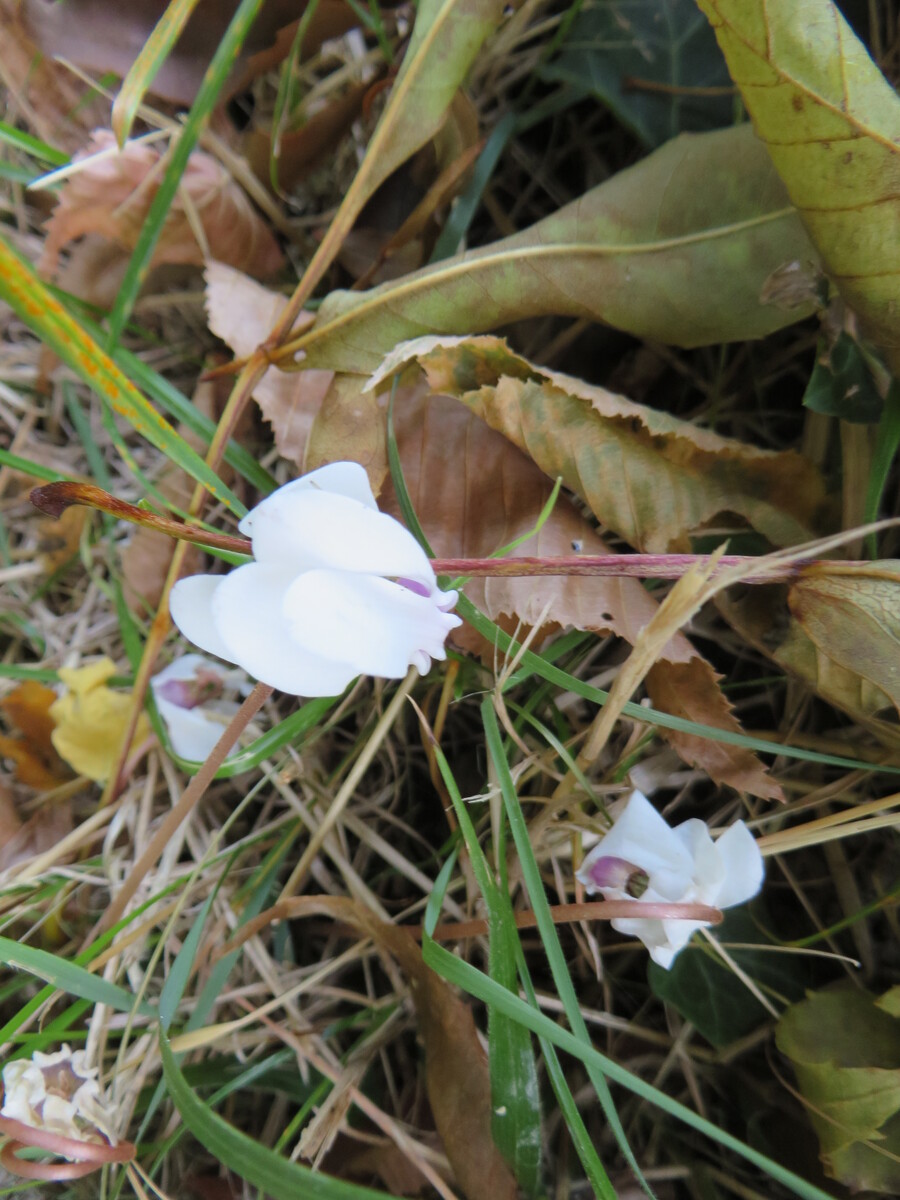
<point>477,984</point>
<point>143,70</point>
<point>213,81</point>
<point>260,1166</point>
<point>68,977</point>
<point>27,295</point>
<point>549,937</point>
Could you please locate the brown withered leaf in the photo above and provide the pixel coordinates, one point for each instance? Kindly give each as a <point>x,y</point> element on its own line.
<point>242,313</point>
<point>59,538</point>
<point>27,712</point>
<point>649,477</point>
<point>349,423</point>
<point>691,690</point>
<point>22,840</point>
<point>103,35</point>
<point>57,105</point>
<point>111,195</point>
<point>456,1069</point>
<point>474,492</point>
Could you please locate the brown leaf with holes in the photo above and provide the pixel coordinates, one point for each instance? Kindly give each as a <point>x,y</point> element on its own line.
<point>27,712</point>
<point>242,313</point>
<point>112,193</point>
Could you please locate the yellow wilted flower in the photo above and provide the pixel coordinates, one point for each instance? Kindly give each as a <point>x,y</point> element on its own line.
<point>91,719</point>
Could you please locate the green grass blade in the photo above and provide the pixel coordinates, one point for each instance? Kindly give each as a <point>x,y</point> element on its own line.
<point>68,977</point>
<point>216,73</point>
<point>886,443</point>
<point>275,1176</point>
<point>649,716</point>
<point>31,145</point>
<point>280,113</point>
<point>584,1147</point>
<point>531,874</point>
<point>145,67</point>
<point>477,984</point>
<point>28,296</point>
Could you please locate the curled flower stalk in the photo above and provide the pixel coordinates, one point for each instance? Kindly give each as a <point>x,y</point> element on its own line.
<point>644,859</point>
<point>337,589</point>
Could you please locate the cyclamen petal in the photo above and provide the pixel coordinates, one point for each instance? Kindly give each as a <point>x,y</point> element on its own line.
<point>683,865</point>
<point>322,602</point>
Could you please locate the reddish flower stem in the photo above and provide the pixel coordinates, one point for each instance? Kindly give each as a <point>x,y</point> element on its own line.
<point>53,498</point>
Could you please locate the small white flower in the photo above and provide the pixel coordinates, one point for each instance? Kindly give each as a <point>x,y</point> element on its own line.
<point>57,1093</point>
<point>337,590</point>
<point>644,859</point>
<point>195,698</point>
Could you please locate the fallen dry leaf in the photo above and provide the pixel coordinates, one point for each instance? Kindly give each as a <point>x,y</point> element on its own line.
<point>59,538</point>
<point>847,665</point>
<point>242,313</point>
<point>300,150</point>
<point>91,720</point>
<point>474,492</point>
<point>650,477</point>
<point>691,690</point>
<point>27,709</point>
<point>43,829</point>
<point>59,107</point>
<point>103,35</point>
<point>112,193</point>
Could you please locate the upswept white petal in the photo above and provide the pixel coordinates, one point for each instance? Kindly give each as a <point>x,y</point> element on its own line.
<point>309,529</point>
<point>641,836</point>
<point>377,626</point>
<point>347,479</point>
<point>193,732</point>
<point>707,870</point>
<point>742,865</point>
<point>684,866</point>
<point>248,610</point>
<point>191,607</point>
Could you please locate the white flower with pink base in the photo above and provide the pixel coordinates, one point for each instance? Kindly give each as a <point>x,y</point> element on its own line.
<point>647,861</point>
<point>337,589</point>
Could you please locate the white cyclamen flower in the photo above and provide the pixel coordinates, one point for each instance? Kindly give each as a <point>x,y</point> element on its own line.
<point>195,698</point>
<point>57,1093</point>
<point>338,589</point>
<point>644,859</point>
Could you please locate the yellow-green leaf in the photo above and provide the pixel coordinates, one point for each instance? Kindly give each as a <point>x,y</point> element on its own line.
<point>676,249</point>
<point>831,122</point>
<point>836,631</point>
<point>845,1051</point>
<point>854,619</point>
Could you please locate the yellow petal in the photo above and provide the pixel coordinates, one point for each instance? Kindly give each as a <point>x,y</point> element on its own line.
<point>91,721</point>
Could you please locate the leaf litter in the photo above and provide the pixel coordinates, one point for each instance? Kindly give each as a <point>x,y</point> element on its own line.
<point>597,264</point>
